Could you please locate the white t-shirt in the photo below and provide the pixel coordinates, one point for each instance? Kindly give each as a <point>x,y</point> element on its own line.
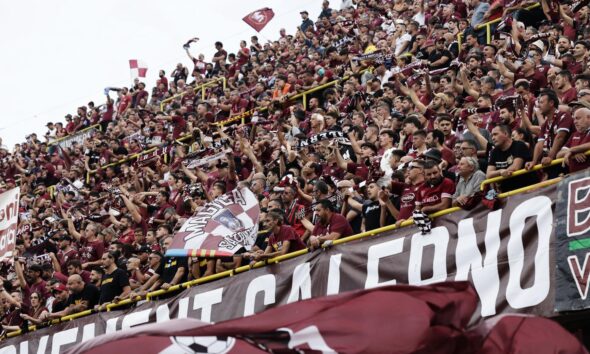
<point>399,43</point>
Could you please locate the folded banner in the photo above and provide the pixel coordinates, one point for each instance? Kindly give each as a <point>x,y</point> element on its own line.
<point>573,243</point>
<point>324,136</point>
<point>259,19</point>
<point>207,159</point>
<point>8,221</point>
<point>221,228</point>
<point>429,319</point>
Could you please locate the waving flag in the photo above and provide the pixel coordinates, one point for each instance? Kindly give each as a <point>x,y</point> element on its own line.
<point>138,68</point>
<point>259,19</point>
<point>427,319</point>
<point>220,228</point>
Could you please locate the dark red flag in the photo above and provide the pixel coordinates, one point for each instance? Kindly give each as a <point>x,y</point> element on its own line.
<point>395,319</point>
<point>259,18</point>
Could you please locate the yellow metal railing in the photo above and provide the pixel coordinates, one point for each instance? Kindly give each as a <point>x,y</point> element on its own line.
<point>72,135</point>
<point>229,273</point>
<point>488,27</point>
<point>524,172</point>
<point>201,87</point>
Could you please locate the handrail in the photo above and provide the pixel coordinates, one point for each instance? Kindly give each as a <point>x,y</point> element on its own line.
<point>232,272</point>
<point>195,90</point>
<point>523,172</point>
<point>488,27</point>
<point>71,135</point>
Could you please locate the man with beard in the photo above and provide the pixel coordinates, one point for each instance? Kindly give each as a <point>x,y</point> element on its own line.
<point>66,252</point>
<point>508,116</point>
<point>554,132</point>
<point>372,210</point>
<point>330,226</point>
<point>579,142</point>
<point>82,297</point>
<point>508,156</point>
<point>282,238</point>
<point>32,281</point>
<point>96,275</point>
<point>115,282</point>
<point>437,192</point>
<point>564,89</point>
<point>414,175</point>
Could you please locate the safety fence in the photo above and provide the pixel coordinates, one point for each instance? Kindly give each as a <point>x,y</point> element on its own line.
<point>238,118</point>
<point>152,296</point>
<point>203,87</point>
<point>488,27</point>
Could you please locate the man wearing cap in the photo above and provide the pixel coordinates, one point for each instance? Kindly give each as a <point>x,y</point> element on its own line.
<point>60,294</point>
<point>579,142</point>
<point>306,21</point>
<point>440,57</point>
<point>82,297</point>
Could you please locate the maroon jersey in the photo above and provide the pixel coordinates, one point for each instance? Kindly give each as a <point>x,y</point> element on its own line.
<point>577,139</point>
<point>286,233</point>
<point>91,251</point>
<point>407,199</point>
<point>337,223</point>
<point>562,121</point>
<point>432,195</point>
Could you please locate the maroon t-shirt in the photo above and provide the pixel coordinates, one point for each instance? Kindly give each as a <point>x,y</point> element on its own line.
<point>286,233</point>
<point>432,195</point>
<point>90,251</point>
<point>408,198</point>
<point>561,121</point>
<point>577,139</point>
<point>337,223</point>
<point>568,96</point>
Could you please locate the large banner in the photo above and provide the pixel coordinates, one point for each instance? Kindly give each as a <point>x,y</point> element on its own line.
<point>422,319</point>
<point>79,137</point>
<point>8,221</point>
<point>507,255</point>
<point>221,228</point>
<point>573,243</point>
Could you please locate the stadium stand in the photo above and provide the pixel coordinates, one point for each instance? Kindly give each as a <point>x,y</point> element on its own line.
<point>368,119</point>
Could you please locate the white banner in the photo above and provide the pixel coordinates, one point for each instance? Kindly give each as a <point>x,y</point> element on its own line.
<point>220,228</point>
<point>8,221</point>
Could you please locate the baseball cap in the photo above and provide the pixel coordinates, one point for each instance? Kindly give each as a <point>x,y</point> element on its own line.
<point>304,12</point>
<point>433,154</point>
<point>59,287</point>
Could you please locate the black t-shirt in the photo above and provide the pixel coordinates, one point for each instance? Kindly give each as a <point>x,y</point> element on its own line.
<point>504,159</point>
<point>112,285</point>
<point>90,293</point>
<point>169,266</point>
<point>58,306</point>
<point>436,55</point>
<point>372,215</point>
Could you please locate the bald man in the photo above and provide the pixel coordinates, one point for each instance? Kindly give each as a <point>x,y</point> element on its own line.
<point>573,151</point>
<point>82,297</point>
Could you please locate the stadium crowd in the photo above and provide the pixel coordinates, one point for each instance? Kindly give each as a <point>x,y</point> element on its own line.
<point>416,122</point>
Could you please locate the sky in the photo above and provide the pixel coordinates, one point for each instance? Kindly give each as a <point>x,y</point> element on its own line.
<point>58,55</point>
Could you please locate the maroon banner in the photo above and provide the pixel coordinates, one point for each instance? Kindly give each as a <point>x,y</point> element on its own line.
<point>259,19</point>
<point>428,319</point>
<point>507,255</point>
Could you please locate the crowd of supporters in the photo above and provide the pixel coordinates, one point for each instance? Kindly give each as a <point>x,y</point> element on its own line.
<point>417,120</point>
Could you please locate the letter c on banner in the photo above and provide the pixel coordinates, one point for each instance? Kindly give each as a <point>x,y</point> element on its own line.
<point>517,297</point>
<point>267,284</point>
<point>374,255</point>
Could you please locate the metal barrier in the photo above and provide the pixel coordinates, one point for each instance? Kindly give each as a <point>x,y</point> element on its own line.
<point>523,172</point>
<point>201,87</point>
<point>229,273</point>
<point>488,27</point>
<point>54,142</point>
